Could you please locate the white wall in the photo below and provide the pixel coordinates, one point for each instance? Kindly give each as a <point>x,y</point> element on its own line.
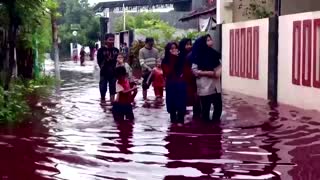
<point>257,88</point>
<point>224,11</point>
<point>288,93</point>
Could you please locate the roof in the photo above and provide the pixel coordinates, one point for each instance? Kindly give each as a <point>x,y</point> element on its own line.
<point>198,12</point>
<point>135,3</point>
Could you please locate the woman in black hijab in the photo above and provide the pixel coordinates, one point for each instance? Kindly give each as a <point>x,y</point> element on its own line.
<point>185,48</point>
<point>207,67</point>
<point>176,95</point>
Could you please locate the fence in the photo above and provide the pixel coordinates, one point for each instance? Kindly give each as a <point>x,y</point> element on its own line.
<point>253,65</point>
<point>299,60</point>
<point>245,57</point>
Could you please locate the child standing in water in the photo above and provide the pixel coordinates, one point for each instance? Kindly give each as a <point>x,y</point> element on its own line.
<point>122,107</point>
<point>121,62</point>
<point>158,80</point>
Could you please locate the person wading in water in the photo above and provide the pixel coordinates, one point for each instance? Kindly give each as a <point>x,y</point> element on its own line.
<point>185,47</point>
<point>207,69</point>
<point>82,56</point>
<point>176,86</point>
<point>107,60</point>
<point>148,56</point>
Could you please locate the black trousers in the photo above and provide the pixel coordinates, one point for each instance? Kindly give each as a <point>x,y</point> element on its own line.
<point>103,86</point>
<point>177,117</point>
<point>122,112</point>
<point>206,102</point>
<point>196,109</point>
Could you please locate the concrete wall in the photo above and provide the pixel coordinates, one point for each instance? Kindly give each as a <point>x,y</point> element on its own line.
<point>299,6</point>
<point>287,7</point>
<point>224,11</point>
<point>245,57</point>
<point>196,4</point>
<point>299,60</point>
<point>240,8</point>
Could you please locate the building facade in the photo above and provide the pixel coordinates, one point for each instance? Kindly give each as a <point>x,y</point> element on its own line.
<point>243,10</point>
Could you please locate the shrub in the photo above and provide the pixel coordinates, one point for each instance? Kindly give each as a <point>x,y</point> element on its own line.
<point>14,103</point>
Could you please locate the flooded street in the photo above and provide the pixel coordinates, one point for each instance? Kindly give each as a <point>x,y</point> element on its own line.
<point>71,136</point>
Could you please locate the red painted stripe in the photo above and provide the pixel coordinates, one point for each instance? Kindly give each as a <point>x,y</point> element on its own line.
<point>231,54</point>
<point>316,60</point>
<point>296,61</point>
<point>256,53</point>
<point>306,53</point>
<point>249,53</point>
<point>237,57</point>
<point>243,53</point>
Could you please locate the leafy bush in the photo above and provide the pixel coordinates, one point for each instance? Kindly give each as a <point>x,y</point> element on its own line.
<point>14,103</point>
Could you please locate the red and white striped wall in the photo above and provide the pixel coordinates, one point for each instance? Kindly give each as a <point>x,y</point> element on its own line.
<point>245,57</point>
<point>299,60</point>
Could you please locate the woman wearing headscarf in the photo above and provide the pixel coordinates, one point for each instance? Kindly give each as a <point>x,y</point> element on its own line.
<point>185,47</point>
<point>176,93</point>
<point>207,68</point>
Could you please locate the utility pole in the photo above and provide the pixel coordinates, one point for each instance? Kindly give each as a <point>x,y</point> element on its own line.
<point>124,17</point>
<point>277,7</point>
<point>273,54</point>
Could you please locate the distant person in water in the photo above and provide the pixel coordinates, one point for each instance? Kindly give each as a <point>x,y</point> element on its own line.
<point>95,56</point>
<point>148,56</point>
<point>125,49</point>
<point>75,55</point>
<point>122,107</point>
<point>107,60</point>
<point>121,61</point>
<point>158,81</point>
<point>82,56</point>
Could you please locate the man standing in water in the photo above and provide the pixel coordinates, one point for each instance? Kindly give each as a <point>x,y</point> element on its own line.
<point>148,56</point>
<point>107,60</point>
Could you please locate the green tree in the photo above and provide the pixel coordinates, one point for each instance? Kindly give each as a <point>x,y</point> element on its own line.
<point>77,12</point>
<point>147,24</point>
<point>139,21</point>
<point>16,12</point>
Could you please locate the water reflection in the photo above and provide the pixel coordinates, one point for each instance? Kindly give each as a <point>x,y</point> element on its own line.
<point>194,147</point>
<point>125,136</point>
<point>21,146</point>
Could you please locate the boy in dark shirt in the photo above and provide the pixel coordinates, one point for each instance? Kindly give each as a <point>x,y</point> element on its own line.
<point>107,60</point>
<point>122,107</point>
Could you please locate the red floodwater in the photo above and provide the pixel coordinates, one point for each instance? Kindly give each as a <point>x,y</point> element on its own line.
<point>70,136</point>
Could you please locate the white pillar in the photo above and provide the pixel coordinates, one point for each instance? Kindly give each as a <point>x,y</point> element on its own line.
<point>219,5</point>
<point>124,17</point>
